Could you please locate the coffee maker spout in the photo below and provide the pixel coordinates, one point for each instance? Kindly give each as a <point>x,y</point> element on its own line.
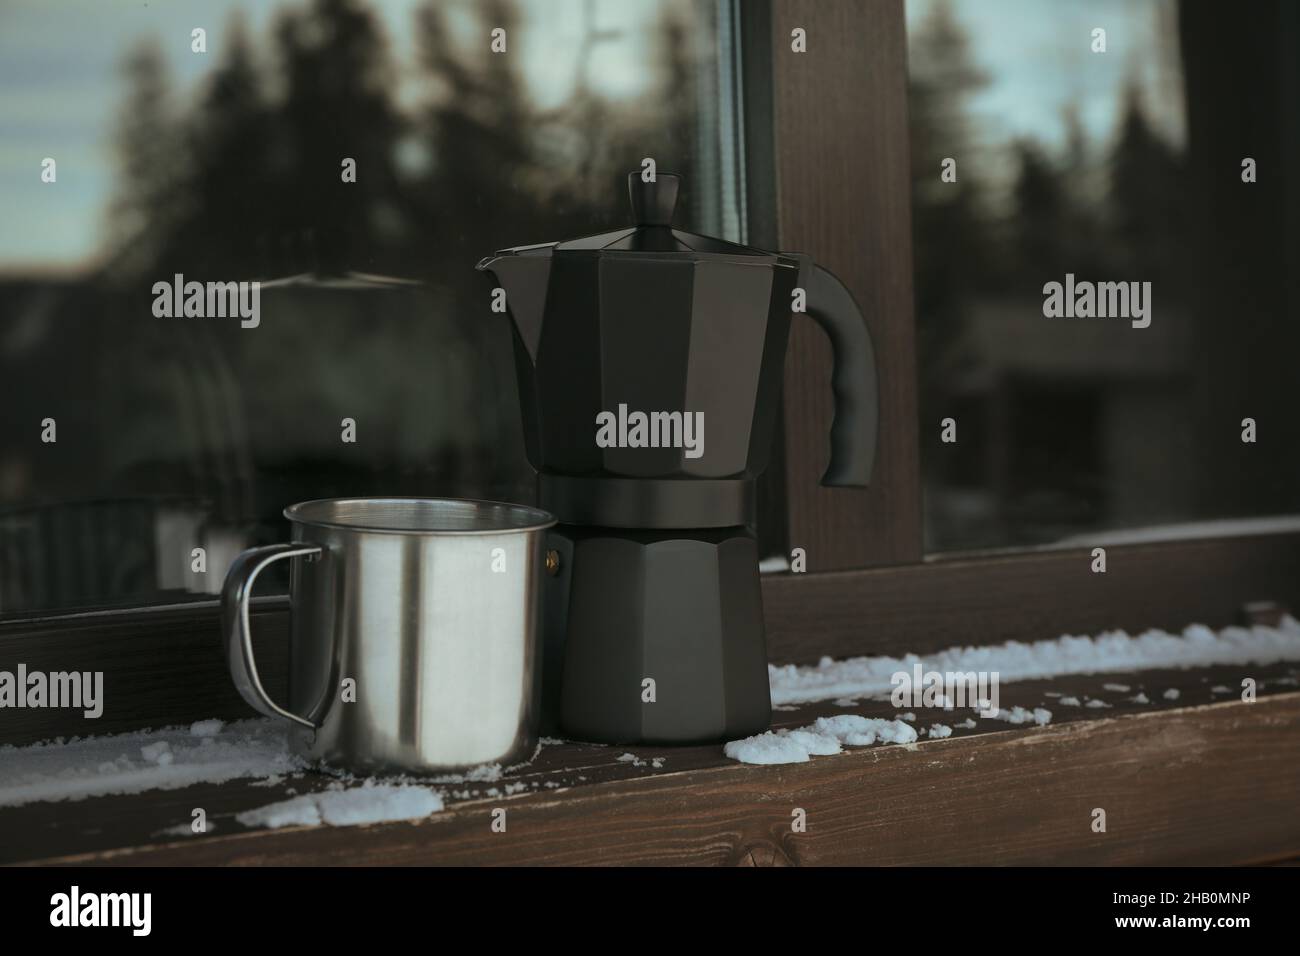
<point>521,281</point>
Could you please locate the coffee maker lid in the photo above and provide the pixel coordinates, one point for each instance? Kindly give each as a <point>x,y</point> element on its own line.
<point>653,206</point>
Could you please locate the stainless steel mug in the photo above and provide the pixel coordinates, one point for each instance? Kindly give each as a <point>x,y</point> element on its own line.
<point>416,638</point>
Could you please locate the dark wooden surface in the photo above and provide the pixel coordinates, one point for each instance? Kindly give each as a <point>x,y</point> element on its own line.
<point>160,667</point>
<point>1203,779</point>
<point>844,197</point>
<point>167,667</point>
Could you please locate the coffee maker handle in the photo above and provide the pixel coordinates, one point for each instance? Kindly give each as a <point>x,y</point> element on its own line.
<point>853,376</point>
<point>234,624</point>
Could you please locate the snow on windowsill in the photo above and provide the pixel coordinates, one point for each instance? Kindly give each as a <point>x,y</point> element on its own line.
<point>256,750</point>
<point>858,678</point>
<point>1109,652</point>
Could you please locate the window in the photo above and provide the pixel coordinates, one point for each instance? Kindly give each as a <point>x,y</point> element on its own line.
<point>1061,440</point>
<point>226,158</point>
<point>1157,153</point>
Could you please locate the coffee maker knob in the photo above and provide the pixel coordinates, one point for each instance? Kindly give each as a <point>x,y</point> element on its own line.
<point>653,203</point>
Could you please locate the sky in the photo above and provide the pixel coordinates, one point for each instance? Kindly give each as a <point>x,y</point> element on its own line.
<point>1038,56</point>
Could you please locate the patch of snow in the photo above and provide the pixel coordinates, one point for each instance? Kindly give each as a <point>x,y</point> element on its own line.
<point>206,728</point>
<point>767,748</point>
<point>815,744</point>
<point>370,803</point>
<point>1019,715</point>
<point>184,830</point>
<point>823,737</point>
<point>1140,698</point>
<point>159,753</point>
<point>859,731</point>
<point>166,759</point>
<point>210,751</point>
<point>939,730</point>
<point>1071,702</point>
<point>1118,688</point>
<point>1172,694</point>
<point>1197,646</point>
<point>968,724</point>
<point>1220,689</point>
<point>909,717</point>
<point>1096,704</point>
<point>483,773</point>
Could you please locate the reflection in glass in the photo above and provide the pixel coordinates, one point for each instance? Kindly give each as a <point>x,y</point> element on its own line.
<point>1120,166</point>
<point>176,434</point>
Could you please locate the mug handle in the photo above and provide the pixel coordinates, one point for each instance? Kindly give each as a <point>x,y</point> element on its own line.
<point>234,624</point>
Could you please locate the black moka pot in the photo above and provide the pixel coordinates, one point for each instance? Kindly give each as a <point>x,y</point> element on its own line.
<point>654,616</point>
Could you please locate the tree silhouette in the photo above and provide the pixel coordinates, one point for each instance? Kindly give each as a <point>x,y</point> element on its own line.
<point>149,205</point>
<point>337,105</point>
<point>479,195</point>
<point>1146,205</point>
<point>250,187</point>
<point>1041,204</point>
<point>953,258</point>
<point>231,149</point>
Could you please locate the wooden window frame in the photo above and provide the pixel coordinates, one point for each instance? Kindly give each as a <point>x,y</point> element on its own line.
<point>844,197</point>
<point>842,150</point>
<point>828,129</point>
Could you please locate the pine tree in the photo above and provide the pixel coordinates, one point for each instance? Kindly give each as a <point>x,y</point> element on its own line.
<point>149,206</point>
<point>338,77</point>
<point>231,143</point>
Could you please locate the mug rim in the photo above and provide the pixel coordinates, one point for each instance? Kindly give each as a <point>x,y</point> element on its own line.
<point>531,519</point>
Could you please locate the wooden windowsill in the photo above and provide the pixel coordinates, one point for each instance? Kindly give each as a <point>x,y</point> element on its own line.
<point>1205,778</point>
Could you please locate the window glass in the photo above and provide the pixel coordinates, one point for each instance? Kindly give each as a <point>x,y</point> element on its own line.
<point>356,158</point>
<point>1139,155</point>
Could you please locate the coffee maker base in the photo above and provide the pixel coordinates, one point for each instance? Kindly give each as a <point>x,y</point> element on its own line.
<point>656,637</point>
